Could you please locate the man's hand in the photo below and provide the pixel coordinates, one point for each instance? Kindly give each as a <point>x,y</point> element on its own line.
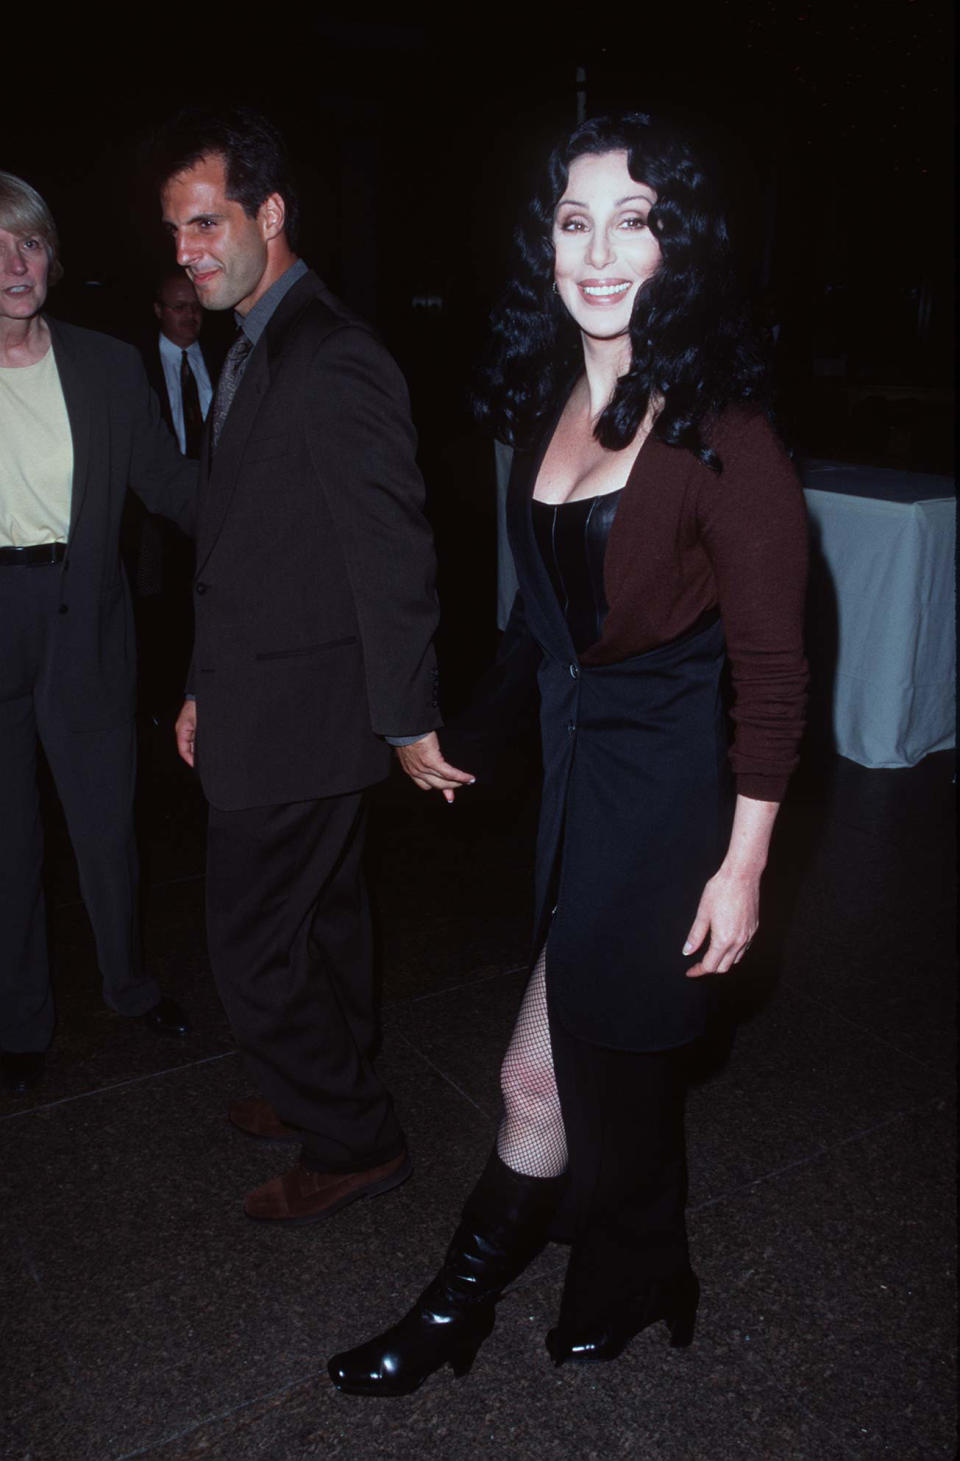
<point>186,729</point>
<point>424,764</point>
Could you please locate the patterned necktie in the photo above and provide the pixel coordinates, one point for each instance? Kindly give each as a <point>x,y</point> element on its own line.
<point>192,415</point>
<point>230,375</point>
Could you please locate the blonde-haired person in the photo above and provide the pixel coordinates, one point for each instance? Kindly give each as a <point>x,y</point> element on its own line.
<point>24,213</point>
<point>78,423</point>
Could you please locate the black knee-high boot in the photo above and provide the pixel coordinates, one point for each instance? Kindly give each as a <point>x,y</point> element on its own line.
<point>503,1227</point>
<point>588,1333</point>
<point>629,1262</point>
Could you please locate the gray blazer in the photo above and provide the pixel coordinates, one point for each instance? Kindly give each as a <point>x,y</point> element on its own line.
<point>119,441</point>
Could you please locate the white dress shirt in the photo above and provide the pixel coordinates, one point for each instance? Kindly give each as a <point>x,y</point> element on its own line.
<point>170,355</point>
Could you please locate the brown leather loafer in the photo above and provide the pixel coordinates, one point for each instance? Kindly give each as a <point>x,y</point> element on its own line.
<point>256,1117</point>
<point>302,1196</point>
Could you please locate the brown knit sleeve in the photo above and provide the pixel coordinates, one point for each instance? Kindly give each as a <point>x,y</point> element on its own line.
<point>752,523</point>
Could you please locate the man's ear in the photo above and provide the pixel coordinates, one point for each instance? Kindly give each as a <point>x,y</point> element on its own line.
<point>272,216</point>
<point>158,310</point>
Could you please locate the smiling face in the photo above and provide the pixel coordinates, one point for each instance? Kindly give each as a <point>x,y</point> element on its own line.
<point>24,267</point>
<point>224,251</point>
<point>604,250</point>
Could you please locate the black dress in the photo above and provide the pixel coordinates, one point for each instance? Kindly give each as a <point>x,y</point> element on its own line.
<point>622,1108</point>
<point>637,795</point>
<point>635,818</point>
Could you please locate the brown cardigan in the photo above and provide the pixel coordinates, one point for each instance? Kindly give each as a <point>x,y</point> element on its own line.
<point>685,541</point>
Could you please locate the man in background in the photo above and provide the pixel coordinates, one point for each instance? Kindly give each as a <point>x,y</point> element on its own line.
<point>181,370</point>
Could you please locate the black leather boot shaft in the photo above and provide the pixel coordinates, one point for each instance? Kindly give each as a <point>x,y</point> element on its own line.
<point>503,1227</point>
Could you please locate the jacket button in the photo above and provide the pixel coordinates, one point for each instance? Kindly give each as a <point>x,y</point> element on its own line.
<point>201,588</point>
<point>574,672</point>
<point>62,609</point>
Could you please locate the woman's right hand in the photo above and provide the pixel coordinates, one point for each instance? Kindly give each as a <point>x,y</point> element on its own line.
<point>424,763</point>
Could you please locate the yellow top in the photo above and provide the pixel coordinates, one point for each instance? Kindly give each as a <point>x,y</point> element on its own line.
<point>36,456</point>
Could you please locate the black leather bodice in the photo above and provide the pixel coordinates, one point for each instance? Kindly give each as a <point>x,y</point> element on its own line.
<point>572,538</point>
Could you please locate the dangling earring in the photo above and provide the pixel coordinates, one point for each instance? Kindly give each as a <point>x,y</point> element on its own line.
<point>555,289</point>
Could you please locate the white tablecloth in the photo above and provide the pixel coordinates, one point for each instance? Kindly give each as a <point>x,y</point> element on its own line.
<point>887,543</point>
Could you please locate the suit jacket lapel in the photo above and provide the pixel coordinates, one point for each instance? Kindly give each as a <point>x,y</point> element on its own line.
<point>80,396</point>
<point>219,473</point>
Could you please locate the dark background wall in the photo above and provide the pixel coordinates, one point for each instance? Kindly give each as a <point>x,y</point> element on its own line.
<point>415,141</point>
<point>416,137</point>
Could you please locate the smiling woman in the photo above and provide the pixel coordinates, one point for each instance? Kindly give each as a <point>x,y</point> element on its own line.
<point>25,216</point>
<point>658,534</point>
<point>29,263</point>
<point>689,342</point>
<point>604,249</point>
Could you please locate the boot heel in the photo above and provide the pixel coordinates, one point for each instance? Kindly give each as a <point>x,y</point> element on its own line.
<point>462,1355</point>
<point>461,1361</point>
<point>682,1321</point>
<point>681,1328</point>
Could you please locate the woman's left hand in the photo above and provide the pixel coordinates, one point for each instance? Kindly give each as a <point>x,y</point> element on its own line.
<point>730,905</point>
<point>729,912</point>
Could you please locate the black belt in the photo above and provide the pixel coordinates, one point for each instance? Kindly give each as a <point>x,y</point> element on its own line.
<point>34,556</point>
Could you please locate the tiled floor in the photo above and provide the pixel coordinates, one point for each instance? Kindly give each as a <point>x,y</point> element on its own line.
<point>145,1317</point>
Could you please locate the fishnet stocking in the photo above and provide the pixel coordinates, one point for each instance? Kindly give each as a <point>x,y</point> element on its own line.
<point>531,1138</point>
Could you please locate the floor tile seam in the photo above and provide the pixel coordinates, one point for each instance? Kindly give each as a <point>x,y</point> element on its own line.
<point>411,999</point>
<point>816,1156</point>
<point>443,1076</point>
<point>866,1030</point>
<point>137,1080</point>
<point>222,1415</point>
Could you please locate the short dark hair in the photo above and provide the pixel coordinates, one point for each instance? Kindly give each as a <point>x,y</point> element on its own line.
<point>692,345</point>
<point>253,150</point>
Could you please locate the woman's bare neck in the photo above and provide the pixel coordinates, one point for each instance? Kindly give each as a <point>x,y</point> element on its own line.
<point>23,342</point>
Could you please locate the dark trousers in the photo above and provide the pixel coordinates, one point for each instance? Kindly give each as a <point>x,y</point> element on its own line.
<point>94,773</point>
<point>627,1174</point>
<point>290,943</point>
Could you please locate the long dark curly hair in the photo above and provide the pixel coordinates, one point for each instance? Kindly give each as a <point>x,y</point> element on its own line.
<point>692,346</point>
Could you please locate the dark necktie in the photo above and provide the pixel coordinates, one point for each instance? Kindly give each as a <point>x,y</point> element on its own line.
<point>192,415</point>
<point>233,368</point>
